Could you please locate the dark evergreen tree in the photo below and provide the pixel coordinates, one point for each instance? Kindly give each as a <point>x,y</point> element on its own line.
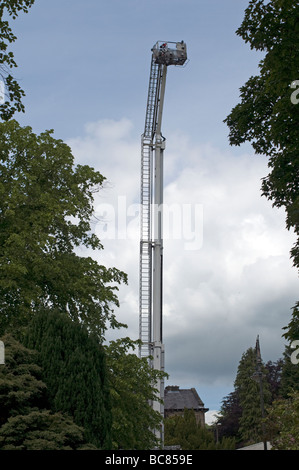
<point>21,385</point>
<point>230,414</point>
<point>248,389</point>
<point>74,370</point>
<point>274,373</point>
<point>283,423</point>
<point>25,421</point>
<point>42,430</point>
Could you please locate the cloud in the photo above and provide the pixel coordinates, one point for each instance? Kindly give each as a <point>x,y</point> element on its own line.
<point>211,417</point>
<point>219,293</point>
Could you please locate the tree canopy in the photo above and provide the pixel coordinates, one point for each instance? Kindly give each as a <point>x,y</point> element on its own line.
<point>26,421</point>
<point>229,417</point>
<point>240,414</point>
<point>13,92</point>
<point>46,205</point>
<point>283,423</point>
<point>268,113</point>
<point>21,385</point>
<point>74,369</point>
<point>132,390</point>
<point>250,422</point>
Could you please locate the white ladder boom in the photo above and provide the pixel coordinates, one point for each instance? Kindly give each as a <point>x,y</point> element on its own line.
<point>145,270</point>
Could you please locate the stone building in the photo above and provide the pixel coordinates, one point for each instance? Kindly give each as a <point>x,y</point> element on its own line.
<point>176,400</point>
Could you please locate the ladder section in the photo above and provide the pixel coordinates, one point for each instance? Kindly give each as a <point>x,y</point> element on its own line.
<point>145,270</point>
<point>145,323</point>
<point>152,100</point>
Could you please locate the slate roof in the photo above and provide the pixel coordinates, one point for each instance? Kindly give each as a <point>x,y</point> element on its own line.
<point>179,399</point>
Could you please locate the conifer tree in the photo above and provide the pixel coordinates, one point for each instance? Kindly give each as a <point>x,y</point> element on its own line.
<point>229,415</point>
<point>26,422</point>
<point>248,390</point>
<point>74,370</point>
<point>21,385</point>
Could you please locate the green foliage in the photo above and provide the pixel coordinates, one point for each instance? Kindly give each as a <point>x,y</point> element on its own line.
<point>267,116</point>
<point>229,416</point>
<point>274,376</point>
<point>250,423</point>
<point>45,209</point>
<point>74,370</point>
<point>283,423</point>
<point>292,329</point>
<point>281,379</point>
<point>184,431</point>
<point>21,387</point>
<point>42,430</point>
<point>132,388</point>
<point>14,93</point>
<point>25,423</point>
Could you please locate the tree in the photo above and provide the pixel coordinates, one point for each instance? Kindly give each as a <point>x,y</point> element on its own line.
<point>230,414</point>
<point>26,422</point>
<point>46,205</point>
<point>132,388</point>
<point>184,431</point>
<point>21,385</point>
<point>274,374</point>
<point>42,430</point>
<point>283,423</point>
<point>248,390</point>
<point>268,114</point>
<point>14,93</point>
<point>74,370</point>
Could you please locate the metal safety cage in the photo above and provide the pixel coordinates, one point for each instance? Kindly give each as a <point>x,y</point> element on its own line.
<point>170,53</point>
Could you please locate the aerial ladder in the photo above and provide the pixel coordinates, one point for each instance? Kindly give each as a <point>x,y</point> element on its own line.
<point>151,217</point>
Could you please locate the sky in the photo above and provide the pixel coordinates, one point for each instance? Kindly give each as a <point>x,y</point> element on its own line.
<point>228,277</point>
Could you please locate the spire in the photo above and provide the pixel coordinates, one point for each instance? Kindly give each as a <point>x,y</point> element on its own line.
<point>258,351</point>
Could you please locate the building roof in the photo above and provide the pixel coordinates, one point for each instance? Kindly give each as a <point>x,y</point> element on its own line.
<point>179,399</point>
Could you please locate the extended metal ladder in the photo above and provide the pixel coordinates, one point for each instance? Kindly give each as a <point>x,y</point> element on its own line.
<point>151,218</point>
<point>145,271</point>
